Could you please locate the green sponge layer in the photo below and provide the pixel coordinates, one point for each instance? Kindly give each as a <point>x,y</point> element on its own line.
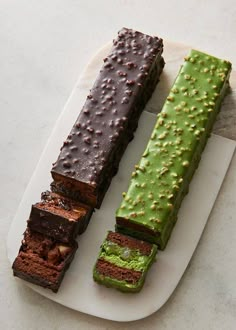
<point>161,179</point>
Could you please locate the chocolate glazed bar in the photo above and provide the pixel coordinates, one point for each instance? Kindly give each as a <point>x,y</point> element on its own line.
<point>90,156</point>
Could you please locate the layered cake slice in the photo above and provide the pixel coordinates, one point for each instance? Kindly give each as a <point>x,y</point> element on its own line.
<point>59,217</point>
<point>43,261</point>
<point>123,262</point>
<point>90,156</point>
<point>161,179</point>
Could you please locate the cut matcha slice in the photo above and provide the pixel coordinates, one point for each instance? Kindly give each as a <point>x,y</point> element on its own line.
<point>123,262</point>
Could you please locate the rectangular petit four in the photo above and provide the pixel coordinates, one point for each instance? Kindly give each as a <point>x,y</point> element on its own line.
<point>59,217</point>
<point>90,156</point>
<point>43,261</point>
<point>123,262</point>
<point>161,179</point>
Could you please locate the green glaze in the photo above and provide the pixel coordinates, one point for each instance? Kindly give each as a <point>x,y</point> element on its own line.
<point>126,258</point>
<point>161,179</point>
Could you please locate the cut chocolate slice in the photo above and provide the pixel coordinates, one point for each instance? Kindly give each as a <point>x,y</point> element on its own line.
<point>123,262</point>
<point>161,179</point>
<point>90,156</point>
<point>59,217</point>
<point>43,261</point>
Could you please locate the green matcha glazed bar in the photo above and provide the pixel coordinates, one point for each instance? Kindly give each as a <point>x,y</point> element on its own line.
<point>123,262</point>
<point>161,179</point>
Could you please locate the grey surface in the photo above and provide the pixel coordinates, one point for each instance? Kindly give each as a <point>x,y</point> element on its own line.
<point>226,120</point>
<point>44,47</point>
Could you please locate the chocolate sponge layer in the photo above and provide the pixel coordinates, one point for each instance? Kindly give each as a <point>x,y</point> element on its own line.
<point>107,269</point>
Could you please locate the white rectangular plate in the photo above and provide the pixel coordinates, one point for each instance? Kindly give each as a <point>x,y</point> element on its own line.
<point>78,291</point>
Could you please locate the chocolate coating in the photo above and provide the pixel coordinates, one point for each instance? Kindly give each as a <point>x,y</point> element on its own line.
<point>90,155</point>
